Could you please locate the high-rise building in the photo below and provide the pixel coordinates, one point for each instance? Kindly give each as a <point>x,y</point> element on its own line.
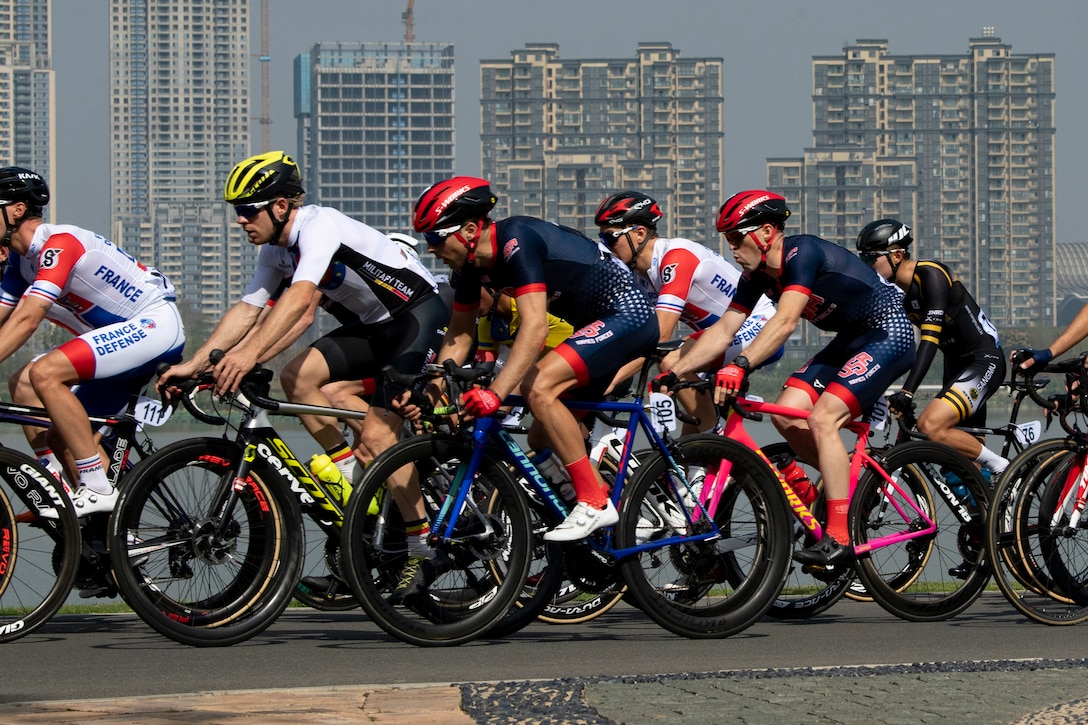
<point>375,126</point>
<point>961,147</point>
<point>28,89</point>
<point>179,120</point>
<point>558,135</point>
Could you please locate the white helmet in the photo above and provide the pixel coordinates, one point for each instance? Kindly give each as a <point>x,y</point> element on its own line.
<point>405,242</point>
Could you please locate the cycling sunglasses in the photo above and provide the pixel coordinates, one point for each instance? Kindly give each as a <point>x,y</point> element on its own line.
<point>438,237</point>
<point>610,238</point>
<point>250,210</point>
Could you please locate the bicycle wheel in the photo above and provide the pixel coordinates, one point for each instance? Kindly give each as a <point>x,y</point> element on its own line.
<point>1013,536</point>
<point>191,574</point>
<point>322,562</point>
<point>1016,547</point>
<point>806,594</point>
<point>716,587</point>
<point>933,576</point>
<point>481,569</point>
<point>1063,533</point>
<point>39,557</point>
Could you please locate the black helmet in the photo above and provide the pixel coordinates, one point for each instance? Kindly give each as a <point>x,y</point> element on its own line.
<point>628,207</point>
<point>883,233</point>
<point>271,175</point>
<point>23,185</point>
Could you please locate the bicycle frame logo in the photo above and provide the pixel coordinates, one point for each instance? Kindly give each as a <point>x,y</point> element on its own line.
<point>286,465</point>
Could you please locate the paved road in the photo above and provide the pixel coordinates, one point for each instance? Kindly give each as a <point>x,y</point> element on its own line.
<point>853,664</point>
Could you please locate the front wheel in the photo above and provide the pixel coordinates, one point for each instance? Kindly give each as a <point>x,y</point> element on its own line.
<point>723,584</point>
<point>197,573</point>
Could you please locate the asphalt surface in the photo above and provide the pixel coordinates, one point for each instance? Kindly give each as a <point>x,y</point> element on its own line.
<point>359,666</point>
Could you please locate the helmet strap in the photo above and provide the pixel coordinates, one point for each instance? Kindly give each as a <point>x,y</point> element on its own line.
<point>277,224</point>
<point>763,249</point>
<point>470,245</point>
<point>9,227</point>
<point>635,251</point>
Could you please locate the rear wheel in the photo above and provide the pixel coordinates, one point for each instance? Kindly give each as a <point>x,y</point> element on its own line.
<point>931,576</point>
<point>723,584</point>
<point>39,557</point>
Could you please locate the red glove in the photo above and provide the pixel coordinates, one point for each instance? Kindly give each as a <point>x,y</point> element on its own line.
<point>480,402</point>
<point>731,377</point>
<point>668,381</point>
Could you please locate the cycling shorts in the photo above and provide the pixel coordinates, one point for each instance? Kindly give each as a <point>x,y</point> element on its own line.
<point>969,383</point>
<point>858,369</point>
<point>407,342</point>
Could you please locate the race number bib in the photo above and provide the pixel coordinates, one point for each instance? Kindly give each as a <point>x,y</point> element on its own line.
<point>662,412</point>
<point>1028,433</point>
<point>151,411</point>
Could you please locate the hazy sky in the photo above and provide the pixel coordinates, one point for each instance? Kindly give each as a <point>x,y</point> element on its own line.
<point>767,48</point>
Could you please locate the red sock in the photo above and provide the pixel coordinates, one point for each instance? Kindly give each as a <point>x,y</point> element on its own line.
<point>837,525</point>
<point>586,486</point>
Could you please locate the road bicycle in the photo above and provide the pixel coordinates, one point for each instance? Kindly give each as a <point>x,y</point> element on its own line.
<point>693,570</point>
<point>207,536</point>
<point>1036,535</point>
<point>57,554</point>
<point>909,526</point>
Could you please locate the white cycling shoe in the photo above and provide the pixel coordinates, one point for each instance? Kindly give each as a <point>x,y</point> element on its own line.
<point>86,502</point>
<point>583,521</point>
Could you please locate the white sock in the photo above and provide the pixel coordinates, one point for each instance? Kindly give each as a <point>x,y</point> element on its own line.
<point>991,460</point>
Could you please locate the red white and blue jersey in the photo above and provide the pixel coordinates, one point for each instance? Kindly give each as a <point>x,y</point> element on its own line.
<point>89,281</point>
<point>696,283</point>
<point>845,294</point>
<point>362,271</point>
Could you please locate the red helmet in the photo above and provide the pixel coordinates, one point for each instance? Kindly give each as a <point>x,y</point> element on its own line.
<point>752,208</point>
<point>627,207</point>
<point>451,202</point>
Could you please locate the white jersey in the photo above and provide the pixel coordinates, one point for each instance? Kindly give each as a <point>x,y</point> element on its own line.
<point>90,281</point>
<point>696,283</point>
<point>365,272</point>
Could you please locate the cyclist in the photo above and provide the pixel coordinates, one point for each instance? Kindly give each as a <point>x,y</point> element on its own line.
<point>545,267</point>
<point>122,313</point>
<point>391,311</point>
<point>1074,333</point>
<point>950,320</point>
<point>813,279</point>
<point>689,282</point>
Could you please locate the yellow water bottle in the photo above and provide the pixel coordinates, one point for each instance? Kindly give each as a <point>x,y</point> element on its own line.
<point>338,486</point>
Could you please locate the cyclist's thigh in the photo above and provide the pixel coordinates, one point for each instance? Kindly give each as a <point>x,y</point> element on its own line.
<point>974,381</point>
<point>127,348</point>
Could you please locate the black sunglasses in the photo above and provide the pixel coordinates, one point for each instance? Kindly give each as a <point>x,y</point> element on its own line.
<point>250,210</point>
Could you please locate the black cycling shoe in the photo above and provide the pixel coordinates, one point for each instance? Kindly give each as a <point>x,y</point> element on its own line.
<point>317,584</point>
<point>419,572</point>
<point>962,571</point>
<point>824,552</point>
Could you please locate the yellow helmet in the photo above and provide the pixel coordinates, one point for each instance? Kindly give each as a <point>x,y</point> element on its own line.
<point>263,177</point>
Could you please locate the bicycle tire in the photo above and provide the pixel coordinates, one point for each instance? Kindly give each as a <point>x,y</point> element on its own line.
<point>1020,571</point>
<point>1064,546</point>
<point>804,595</point>
<point>483,567</point>
<point>714,588</point>
<point>1013,545</point>
<point>175,576</point>
<point>39,557</point>
<point>911,578</point>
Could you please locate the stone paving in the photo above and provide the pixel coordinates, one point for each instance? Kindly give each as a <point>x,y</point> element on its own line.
<point>1005,692</point>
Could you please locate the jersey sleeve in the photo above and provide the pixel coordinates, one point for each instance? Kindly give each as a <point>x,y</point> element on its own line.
<point>56,260</point>
<point>267,279</point>
<point>934,294</point>
<point>316,247</point>
<point>677,270</point>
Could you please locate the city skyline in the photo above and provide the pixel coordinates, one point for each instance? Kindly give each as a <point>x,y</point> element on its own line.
<point>767,67</point>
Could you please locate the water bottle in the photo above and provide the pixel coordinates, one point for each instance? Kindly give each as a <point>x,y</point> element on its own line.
<point>335,482</point>
<point>556,474</point>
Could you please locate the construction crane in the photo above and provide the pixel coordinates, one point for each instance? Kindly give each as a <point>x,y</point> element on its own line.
<point>409,24</point>
<point>266,61</point>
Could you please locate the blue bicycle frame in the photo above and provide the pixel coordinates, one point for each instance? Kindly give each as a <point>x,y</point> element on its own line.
<point>487,428</point>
